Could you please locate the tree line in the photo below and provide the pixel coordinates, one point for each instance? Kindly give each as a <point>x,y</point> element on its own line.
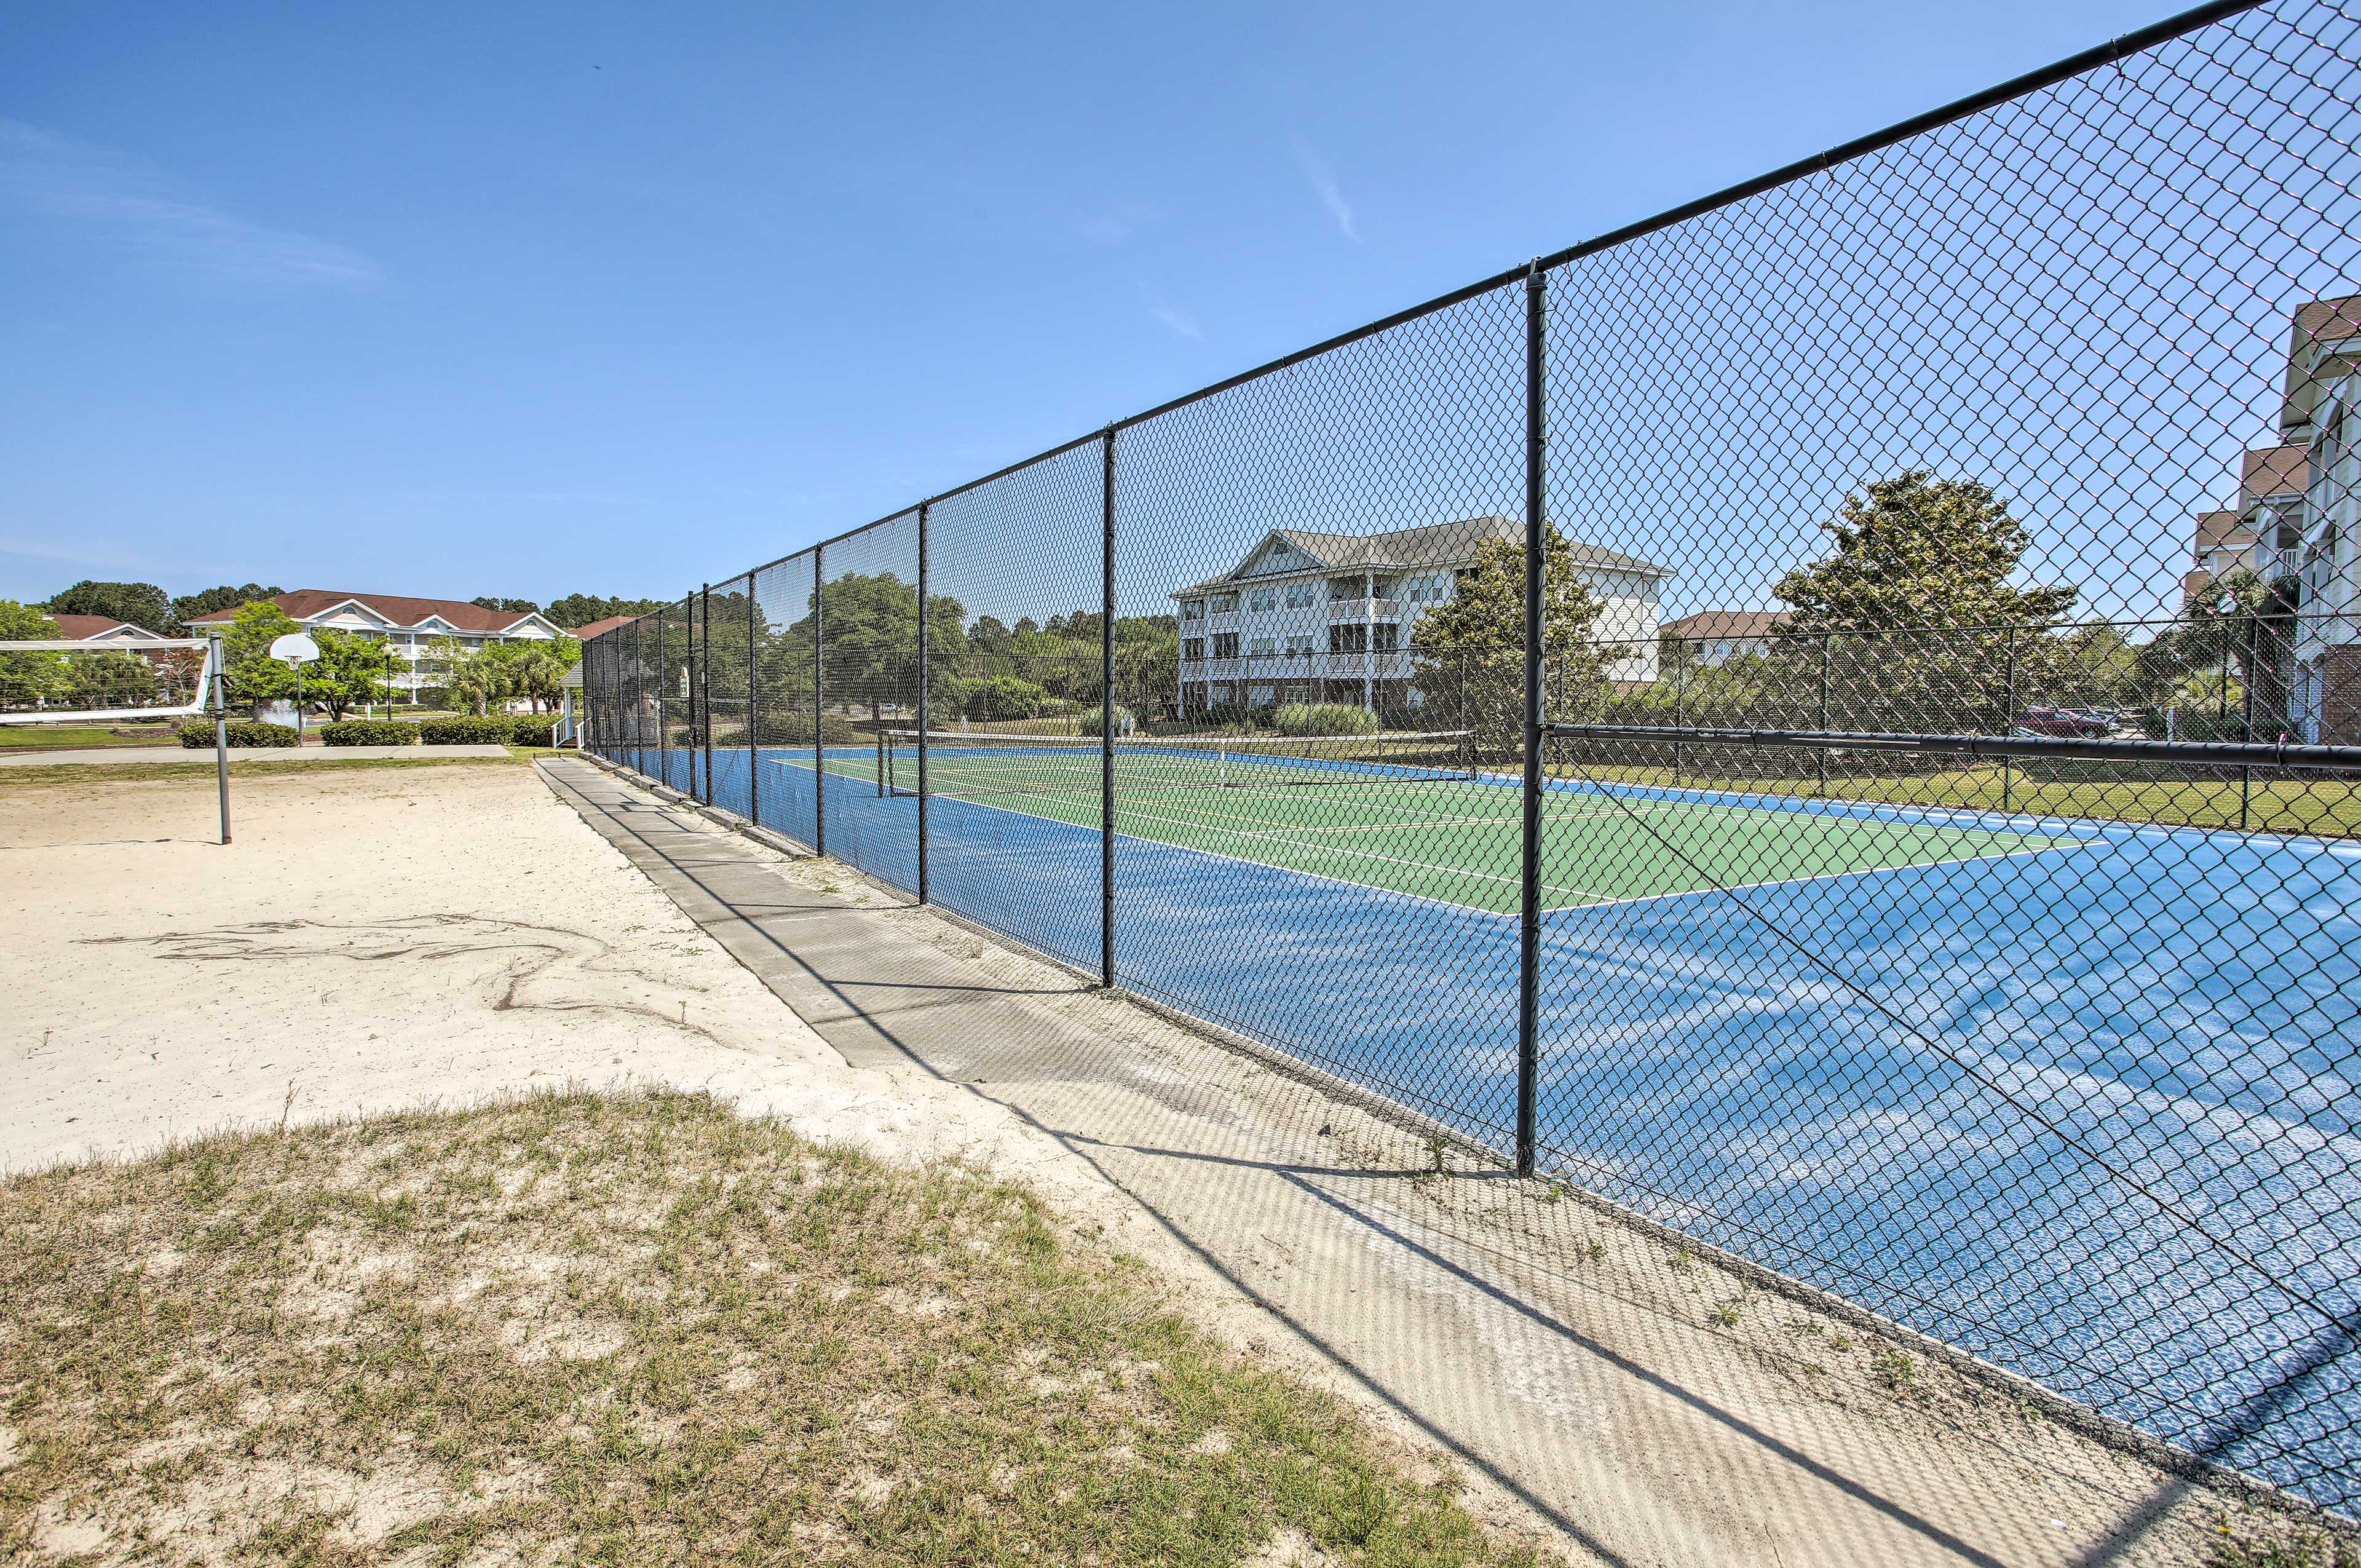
<point>147,607</point>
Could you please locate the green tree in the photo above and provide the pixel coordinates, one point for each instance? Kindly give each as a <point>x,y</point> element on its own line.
<point>209,601</point>
<point>351,671</point>
<point>1470,649</point>
<point>1912,552</point>
<point>870,628</point>
<point>253,675</point>
<point>581,609</point>
<point>507,607</point>
<point>142,605</point>
<point>28,677</point>
<point>1913,624</point>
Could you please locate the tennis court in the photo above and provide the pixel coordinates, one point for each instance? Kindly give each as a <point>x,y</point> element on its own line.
<point>1411,815</point>
<point>1861,998</point>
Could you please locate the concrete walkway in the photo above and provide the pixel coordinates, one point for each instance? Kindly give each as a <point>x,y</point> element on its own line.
<point>1652,1408</point>
<point>156,755</point>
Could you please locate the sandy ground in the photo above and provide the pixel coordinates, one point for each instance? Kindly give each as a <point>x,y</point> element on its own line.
<point>381,939</point>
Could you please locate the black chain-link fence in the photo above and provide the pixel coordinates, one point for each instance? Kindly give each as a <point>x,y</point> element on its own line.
<point>1829,718</point>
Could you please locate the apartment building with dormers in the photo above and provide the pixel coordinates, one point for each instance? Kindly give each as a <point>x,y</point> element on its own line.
<point>1310,617</point>
<point>2297,518</point>
<point>416,631</point>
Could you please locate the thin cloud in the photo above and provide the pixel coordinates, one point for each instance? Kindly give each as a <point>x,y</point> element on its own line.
<point>143,211</point>
<point>1176,320</point>
<point>1323,185</point>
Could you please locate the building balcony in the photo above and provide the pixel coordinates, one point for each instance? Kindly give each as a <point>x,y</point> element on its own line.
<point>1364,609</point>
<point>1383,666</point>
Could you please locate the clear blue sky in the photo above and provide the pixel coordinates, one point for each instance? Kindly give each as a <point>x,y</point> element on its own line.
<point>532,299</point>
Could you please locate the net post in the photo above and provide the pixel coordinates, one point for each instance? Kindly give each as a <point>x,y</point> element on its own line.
<point>221,736</point>
<point>1822,757</point>
<point>926,680</point>
<point>753,713</point>
<point>819,697</point>
<point>1107,708</point>
<point>2247,725</point>
<point>705,681</point>
<point>2008,723</point>
<point>1529,901</point>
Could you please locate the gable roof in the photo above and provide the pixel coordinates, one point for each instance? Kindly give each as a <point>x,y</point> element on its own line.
<point>1728,623</point>
<point>1406,549</point>
<point>600,628</point>
<point>84,627</point>
<point>397,610</point>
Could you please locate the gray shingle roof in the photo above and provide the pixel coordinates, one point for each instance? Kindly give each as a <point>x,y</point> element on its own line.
<point>1405,549</point>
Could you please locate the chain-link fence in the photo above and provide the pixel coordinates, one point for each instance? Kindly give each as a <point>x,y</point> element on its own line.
<point>1829,718</point>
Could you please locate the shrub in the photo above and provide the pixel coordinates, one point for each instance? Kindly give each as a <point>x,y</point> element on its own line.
<point>368,732</point>
<point>1324,719</point>
<point>244,732</point>
<point>1230,716</point>
<point>493,730</point>
<point>1009,697</point>
<point>792,727</point>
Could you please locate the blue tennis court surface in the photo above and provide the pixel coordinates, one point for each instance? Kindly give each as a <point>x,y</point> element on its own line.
<point>1877,1054</point>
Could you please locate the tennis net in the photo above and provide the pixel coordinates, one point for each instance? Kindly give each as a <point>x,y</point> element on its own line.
<point>960,763</point>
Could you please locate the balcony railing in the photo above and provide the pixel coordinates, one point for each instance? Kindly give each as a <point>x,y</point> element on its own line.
<point>1364,609</point>
<point>1383,666</point>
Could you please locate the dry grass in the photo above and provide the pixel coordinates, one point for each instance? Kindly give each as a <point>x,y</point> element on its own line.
<point>253,763</point>
<point>631,1330</point>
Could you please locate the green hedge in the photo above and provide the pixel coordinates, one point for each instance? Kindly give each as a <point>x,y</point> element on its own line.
<point>534,731</point>
<point>244,732</point>
<point>1324,719</point>
<point>368,732</point>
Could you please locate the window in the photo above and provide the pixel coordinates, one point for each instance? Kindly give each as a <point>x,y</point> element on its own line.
<point>1193,610</point>
<point>1426,590</point>
<point>1226,604</point>
<point>1348,640</point>
<point>1385,637</point>
<point>1192,647</point>
<point>1261,598</point>
<point>1225,644</point>
<point>1219,691</point>
<point>1299,645</point>
<point>1262,645</point>
<point>1260,697</point>
<point>1381,588</point>
<point>1302,595</point>
<point>1344,588</point>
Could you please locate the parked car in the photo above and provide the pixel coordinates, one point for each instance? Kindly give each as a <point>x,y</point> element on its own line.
<point>2074,723</point>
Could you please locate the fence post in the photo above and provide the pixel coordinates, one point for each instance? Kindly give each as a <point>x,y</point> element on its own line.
<point>2008,723</point>
<point>704,682</point>
<point>753,712</point>
<point>1680,702</point>
<point>1528,931</point>
<point>926,680</point>
<point>819,699</point>
<point>1107,708</point>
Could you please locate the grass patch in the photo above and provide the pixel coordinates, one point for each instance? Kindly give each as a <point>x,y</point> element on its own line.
<point>629,1330</point>
<point>245,766</point>
<point>78,737</point>
<point>2329,808</point>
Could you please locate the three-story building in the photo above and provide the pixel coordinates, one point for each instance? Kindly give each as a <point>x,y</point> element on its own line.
<point>1311,617</point>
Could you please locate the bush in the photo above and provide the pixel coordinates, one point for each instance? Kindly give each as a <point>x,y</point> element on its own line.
<point>1230,716</point>
<point>244,732</point>
<point>491,731</point>
<point>1324,719</point>
<point>533,730</point>
<point>792,727</point>
<point>368,732</point>
<point>1009,697</point>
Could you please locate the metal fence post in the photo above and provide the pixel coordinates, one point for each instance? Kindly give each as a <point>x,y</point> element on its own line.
<point>819,700</point>
<point>705,681</point>
<point>753,713</point>
<point>926,680</point>
<point>1529,922</point>
<point>1680,702</point>
<point>1107,708</point>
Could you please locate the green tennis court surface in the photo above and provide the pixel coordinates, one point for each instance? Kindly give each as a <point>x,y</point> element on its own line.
<point>1454,839</point>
